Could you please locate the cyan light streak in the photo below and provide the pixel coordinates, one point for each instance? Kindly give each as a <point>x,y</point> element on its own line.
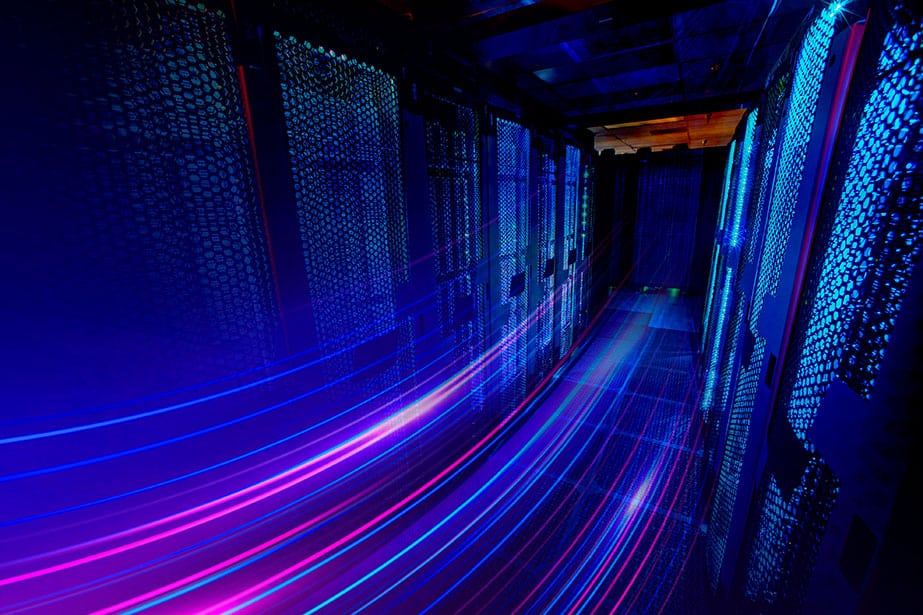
<point>287,475</point>
<point>338,461</point>
<point>715,355</point>
<point>708,327</point>
<point>742,192</point>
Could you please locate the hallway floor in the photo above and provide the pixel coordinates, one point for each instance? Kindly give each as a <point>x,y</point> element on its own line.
<point>585,501</point>
<point>590,506</point>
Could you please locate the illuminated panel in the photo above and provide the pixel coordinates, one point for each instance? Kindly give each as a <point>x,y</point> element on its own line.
<point>715,351</point>
<point>725,341</point>
<point>795,134</point>
<point>736,192</point>
<point>743,181</point>
<point>883,183</point>
<point>776,95</point>
<point>874,225</point>
<point>513,147</point>
<point>742,204</point>
<point>545,231</point>
<point>343,128</point>
<point>780,197</point>
<point>730,360</point>
<point>454,168</point>
<point>872,245</point>
<point>875,217</point>
<point>730,168</point>
<point>571,204</point>
<point>712,293</point>
<point>735,445</point>
<point>587,196</point>
<point>752,240</point>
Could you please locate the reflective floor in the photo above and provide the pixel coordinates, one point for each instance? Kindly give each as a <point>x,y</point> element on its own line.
<point>589,506</point>
<point>241,499</point>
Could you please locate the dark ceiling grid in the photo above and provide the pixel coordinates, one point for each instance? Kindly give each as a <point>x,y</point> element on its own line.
<point>600,63</point>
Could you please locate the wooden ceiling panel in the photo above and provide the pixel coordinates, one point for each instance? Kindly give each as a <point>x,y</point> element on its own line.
<point>693,131</point>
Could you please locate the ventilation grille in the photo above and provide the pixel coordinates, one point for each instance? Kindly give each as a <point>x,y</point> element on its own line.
<point>795,134</point>
<point>884,183</point>
<point>571,202</point>
<point>545,235</point>
<point>584,242</point>
<point>342,121</point>
<point>453,164</point>
<point>513,155</point>
<point>172,230</point>
<point>869,246</point>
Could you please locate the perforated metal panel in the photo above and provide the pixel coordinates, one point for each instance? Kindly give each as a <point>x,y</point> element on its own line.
<point>884,184</point>
<point>724,349</point>
<point>774,105</point>
<point>568,297</point>
<point>453,161</point>
<point>735,445</point>
<point>792,142</point>
<point>780,174</point>
<point>786,539</point>
<point>723,303</point>
<point>546,199</point>
<point>170,226</point>
<point>584,242</point>
<point>714,279</point>
<point>737,194</point>
<point>872,213</point>
<point>795,133</point>
<point>870,246</point>
<point>743,181</point>
<point>342,121</point>
<point>513,152</point>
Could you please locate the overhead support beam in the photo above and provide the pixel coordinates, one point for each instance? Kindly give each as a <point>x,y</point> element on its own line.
<point>579,25</point>
<point>612,65</point>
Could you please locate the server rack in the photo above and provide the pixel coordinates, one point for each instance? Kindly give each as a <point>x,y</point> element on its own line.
<point>513,156</point>
<point>343,125</point>
<point>586,252</point>
<point>543,304</point>
<point>567,255</point>
<point>453,162</point>
<point>825,224</point>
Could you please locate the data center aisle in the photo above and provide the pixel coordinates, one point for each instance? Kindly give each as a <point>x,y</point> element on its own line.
<point>589,506</point>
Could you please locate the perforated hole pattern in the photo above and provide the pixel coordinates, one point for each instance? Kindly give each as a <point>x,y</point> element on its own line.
<point>342,120</point>
<point>513,147</point>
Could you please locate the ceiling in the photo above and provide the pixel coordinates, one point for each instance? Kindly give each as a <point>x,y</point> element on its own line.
<point>612,66</point>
